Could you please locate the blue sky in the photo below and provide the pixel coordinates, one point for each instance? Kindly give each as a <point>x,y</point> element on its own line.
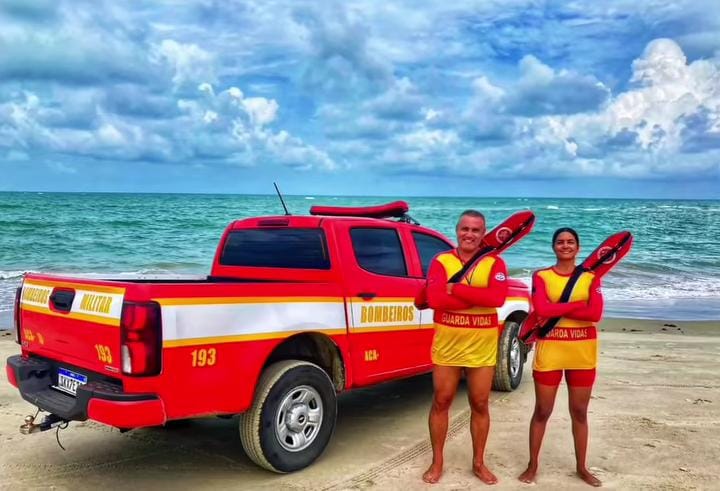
<point>616,98</point>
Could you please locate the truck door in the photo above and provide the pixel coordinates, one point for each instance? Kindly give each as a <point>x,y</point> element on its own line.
<point>384,325</point>
<point>427,246</point>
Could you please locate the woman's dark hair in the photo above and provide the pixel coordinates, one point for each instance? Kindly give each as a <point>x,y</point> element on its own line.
<point>568,230</point>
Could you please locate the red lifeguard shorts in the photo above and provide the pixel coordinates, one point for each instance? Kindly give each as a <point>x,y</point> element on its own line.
<point>574,378</point>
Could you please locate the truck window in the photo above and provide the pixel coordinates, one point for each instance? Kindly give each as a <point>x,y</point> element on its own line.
<point>378,250</point>
<point>277,248</point>
<point>428,247</point>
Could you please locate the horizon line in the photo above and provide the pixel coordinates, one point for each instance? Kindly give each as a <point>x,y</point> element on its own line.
<point>398,196</point>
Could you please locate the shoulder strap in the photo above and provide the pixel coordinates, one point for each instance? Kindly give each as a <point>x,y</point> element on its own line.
<point>520,231</point>
<point>484,251</point>
<point>545,329</point>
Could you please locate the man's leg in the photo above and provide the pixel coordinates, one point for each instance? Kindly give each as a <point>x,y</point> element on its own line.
<point>546,386</point>
<point>445,382</point>
<point>479,381</point>
<point>579,392</point>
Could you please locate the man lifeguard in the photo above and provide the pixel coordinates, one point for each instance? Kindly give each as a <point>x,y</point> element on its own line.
<point>466,338</point>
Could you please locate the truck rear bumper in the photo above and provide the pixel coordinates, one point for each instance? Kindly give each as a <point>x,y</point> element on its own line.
<point>97,400</point>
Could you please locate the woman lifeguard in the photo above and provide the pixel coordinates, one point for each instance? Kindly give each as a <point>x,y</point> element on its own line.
<point>570,347</point>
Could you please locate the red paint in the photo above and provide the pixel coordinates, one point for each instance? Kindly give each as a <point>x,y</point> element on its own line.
<point>11,376</point>
<point>395,209</point>
<point>136,414</point>
<point>228,385</point>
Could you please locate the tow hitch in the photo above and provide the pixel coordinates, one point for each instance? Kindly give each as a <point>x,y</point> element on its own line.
<point>49,422</point>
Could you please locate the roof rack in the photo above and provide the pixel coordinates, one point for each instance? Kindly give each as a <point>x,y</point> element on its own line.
<point>396,209</point>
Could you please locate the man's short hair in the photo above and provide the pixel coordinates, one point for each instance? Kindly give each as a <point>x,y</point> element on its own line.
<point>470,213</point>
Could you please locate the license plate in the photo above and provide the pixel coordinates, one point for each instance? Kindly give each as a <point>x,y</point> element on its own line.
<point>68,380</point>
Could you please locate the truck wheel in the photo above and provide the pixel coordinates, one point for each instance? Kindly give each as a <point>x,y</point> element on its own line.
<point>510,359</point>
<point>292,418</point>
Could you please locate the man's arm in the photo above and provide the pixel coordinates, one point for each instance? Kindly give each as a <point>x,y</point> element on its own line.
<point>437,295</point>
<point>493,295</point>
<point>542,304</point>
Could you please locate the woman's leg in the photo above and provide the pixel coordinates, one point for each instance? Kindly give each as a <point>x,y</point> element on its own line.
<point>579,392</point>
<point>546,386</point>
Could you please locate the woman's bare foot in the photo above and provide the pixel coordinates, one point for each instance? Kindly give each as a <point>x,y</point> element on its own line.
<point>432,475</point>
<point>528,477</point>
<point>586,476</point>
<point>484,474</point>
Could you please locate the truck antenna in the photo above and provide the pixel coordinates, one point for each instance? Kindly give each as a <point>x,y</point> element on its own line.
<point>281,199</point>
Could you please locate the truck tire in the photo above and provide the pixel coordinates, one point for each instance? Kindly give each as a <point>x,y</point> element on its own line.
<point>292,417</point>
<point>510,359</point>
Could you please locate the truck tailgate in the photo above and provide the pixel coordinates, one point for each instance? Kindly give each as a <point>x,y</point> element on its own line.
<point>73,322</point>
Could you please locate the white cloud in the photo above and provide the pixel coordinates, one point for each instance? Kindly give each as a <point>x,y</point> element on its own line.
<point>291,151</point>
<point>428,139</point>
<point>226,127</point>
<point>402,101</point>
<point>210,116</point>
<point>110,135</point>
<point>340,59</point>
<point>486,93</point>
<point>242,135</point>
<point>542,90</point>
<point>513,88</point>
<point>654,113</point>
<point>190,63</point>
<point>72,46</point>
<point>670,90</point>
<point>430,114</point>
<point>261,111</point>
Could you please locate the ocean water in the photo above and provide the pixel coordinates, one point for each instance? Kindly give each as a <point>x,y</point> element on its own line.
<point>673,271</point>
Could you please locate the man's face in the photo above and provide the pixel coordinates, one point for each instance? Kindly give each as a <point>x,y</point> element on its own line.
<point>470,232</point>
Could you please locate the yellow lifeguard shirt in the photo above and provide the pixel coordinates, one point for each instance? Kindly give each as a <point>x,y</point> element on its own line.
<point>572,344</point>
<point>466,338</point>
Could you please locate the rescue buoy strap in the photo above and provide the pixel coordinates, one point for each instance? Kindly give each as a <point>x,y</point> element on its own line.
<point>489,249</point>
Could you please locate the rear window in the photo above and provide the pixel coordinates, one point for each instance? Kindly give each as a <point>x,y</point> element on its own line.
<point>277,248</point>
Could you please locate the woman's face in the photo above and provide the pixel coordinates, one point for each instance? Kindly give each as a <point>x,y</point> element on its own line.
<point>565,246</point>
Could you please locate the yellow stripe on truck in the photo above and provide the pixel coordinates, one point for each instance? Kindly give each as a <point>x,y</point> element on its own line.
<point>75,286</point>
<point>72,315</point>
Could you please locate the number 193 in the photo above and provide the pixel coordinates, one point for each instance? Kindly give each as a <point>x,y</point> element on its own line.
<point>203,357</point>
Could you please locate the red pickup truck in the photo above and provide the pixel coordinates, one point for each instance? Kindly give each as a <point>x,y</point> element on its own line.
<point>296,310</point>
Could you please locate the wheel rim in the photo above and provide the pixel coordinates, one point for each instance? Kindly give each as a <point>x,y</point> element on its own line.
<point>515,363</point>
<point>299,418</point>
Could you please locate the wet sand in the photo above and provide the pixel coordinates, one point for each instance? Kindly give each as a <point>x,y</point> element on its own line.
<point>653,419</point>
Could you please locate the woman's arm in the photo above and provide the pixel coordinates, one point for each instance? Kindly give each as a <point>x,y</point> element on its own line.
<point>592,310</point>
<point>493,295</point>
<point>437,294</point>
<point>542,304</point>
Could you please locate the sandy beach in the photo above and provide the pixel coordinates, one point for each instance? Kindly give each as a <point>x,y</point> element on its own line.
<point>653,419</point>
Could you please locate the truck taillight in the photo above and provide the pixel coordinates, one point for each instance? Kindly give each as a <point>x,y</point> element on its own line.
<point>141,337</point>
<point>16,315</point>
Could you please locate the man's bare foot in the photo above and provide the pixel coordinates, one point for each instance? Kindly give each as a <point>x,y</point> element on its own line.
<point>432,475</point>
<point>484,474</point>
<point>586,476</point>
<point>528,477</point>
